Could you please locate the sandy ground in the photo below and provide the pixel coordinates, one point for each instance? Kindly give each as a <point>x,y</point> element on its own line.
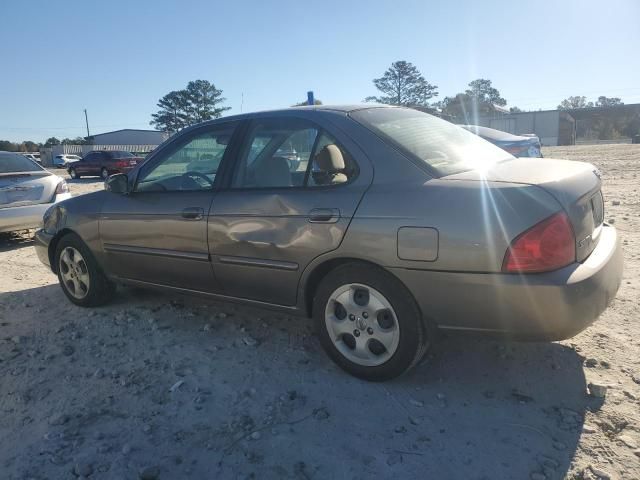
<point>170,387</point>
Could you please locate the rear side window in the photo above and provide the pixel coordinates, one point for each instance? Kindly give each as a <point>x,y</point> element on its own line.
<point>281,153</point>
<point>442,146</point>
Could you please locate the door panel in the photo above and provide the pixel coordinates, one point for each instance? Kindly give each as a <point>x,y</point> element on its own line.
<point>261,241</point>
<point>158,233</point>
<point>153,237</point>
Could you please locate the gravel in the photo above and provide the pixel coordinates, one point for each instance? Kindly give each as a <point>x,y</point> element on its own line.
<point>488,408</point>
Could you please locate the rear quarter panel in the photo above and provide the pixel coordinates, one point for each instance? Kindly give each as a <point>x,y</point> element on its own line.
<point>475,222</point>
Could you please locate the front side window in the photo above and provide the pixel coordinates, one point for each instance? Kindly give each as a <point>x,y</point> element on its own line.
<point>282,153</point>
<point>444,147</point>
<point>191,165</point>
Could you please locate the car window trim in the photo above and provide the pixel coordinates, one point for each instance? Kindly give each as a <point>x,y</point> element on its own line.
<point>179,142</point>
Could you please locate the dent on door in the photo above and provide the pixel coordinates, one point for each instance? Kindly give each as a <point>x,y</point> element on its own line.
<point>261,242</point>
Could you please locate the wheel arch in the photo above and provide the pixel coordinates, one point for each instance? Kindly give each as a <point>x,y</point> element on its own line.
<point>53,245</point>
<point>318,272</point>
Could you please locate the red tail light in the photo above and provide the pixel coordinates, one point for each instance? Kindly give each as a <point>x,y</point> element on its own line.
<point>122,164</point>
<point>547,246</point>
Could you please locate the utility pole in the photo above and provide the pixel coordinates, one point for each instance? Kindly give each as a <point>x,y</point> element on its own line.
<point>86,119</point>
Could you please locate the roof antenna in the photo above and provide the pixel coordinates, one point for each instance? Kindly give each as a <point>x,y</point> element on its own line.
<point>242,102</point>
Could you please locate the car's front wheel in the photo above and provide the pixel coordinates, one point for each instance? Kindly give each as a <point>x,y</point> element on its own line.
<point>80,276</point>
<point>73,173</point>
<point>104,173</point>
<point>369,323</point>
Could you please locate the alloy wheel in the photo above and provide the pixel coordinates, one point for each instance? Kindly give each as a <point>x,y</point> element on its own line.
<point>362,324</point>
<point>74,273</point>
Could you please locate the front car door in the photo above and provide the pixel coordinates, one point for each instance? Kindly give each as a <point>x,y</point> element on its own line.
<point>158,233</point>
<point>82,166</point>
<point>294,189</point>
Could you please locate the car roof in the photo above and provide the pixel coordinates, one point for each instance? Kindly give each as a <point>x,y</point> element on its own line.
<point>310,109</point>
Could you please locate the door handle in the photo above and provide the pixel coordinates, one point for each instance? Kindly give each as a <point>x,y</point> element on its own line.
<point>193,213</point>
<point>324,215</point>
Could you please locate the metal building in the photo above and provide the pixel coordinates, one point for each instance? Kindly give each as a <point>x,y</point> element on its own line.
<point>129,136</point>
<point>553,127</point>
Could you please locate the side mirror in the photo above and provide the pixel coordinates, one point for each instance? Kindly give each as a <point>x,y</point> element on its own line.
<point>118,183</point>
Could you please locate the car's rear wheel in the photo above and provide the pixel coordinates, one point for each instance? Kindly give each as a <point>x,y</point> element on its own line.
<point>104,173</point>
<point>80,277</point>
<point>369,323</point>
<point>73,174</point>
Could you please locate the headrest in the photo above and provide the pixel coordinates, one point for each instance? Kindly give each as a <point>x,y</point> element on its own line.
<point>330,159</point>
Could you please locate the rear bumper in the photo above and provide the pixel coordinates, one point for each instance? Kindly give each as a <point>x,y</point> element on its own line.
<point>29,216</point>
<point>549,306</point>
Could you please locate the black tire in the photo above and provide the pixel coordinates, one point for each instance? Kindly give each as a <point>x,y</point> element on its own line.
<point>415,333</point>
<point>101,290</point>
<point>104,173</point>
<point>73,174</point>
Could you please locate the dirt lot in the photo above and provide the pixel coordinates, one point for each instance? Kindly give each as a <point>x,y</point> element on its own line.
<point>170,387</point>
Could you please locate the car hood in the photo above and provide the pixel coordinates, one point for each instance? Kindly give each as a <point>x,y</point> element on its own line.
<point>575,185</point>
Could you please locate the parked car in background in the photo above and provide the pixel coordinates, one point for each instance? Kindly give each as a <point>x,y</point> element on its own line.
<point>63,161</point>
<point>517,145</point>
<point>26,191</point>
<point>450,233</point>
<point>103,163</point>
<point>32,156</point>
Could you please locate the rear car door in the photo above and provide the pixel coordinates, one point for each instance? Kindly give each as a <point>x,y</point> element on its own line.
<point>286,203</point>
<point>158,233</point>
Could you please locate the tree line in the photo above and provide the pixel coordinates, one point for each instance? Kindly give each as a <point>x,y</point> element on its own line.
<point>401,84</point>
<point>28,146</point>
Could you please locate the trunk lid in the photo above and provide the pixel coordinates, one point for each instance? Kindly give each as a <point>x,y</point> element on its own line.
<point>575,185</point>
<point>25,188</point>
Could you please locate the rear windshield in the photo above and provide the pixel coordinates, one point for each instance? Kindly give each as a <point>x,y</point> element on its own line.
<point>120,154</point>
<point>444,147</point>
<point>12,162</point>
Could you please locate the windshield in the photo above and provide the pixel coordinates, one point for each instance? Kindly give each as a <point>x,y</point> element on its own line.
<point>12,162</point>
<point>442,146</point>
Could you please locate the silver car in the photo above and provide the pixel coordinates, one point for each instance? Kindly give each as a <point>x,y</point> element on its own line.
<point>394,224</point>
<point>26,191</point>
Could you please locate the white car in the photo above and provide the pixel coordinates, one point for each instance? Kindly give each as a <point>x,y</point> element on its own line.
<point>26,191</point>
<point>63,161</point>
<point>32,156</point>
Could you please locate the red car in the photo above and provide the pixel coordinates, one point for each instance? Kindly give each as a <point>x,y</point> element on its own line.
<point>104,163</point>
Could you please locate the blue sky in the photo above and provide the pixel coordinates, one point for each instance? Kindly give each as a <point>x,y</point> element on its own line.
<point>117,58</point>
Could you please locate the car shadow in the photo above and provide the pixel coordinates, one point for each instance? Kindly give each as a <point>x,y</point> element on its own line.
<point>212,374</point>
<point>15,240</point>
